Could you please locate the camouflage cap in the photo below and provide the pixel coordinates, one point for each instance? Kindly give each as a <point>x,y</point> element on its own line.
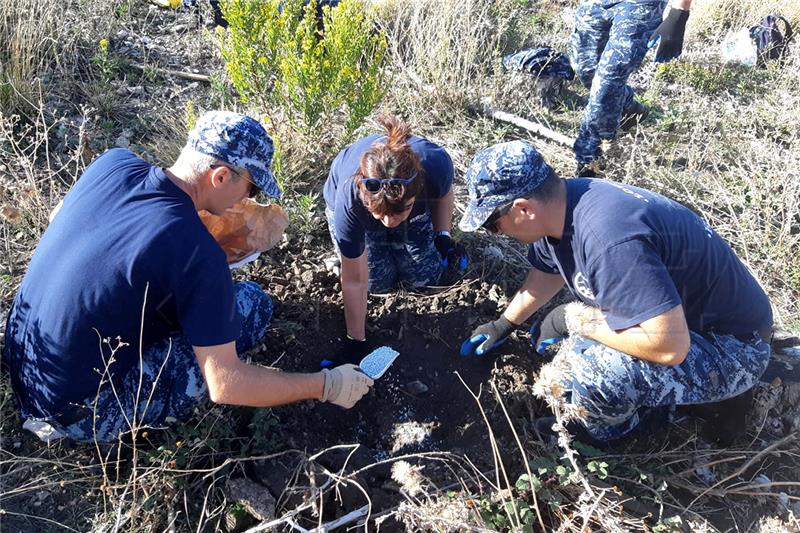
<point>240,141</point>
<point>500,174</point>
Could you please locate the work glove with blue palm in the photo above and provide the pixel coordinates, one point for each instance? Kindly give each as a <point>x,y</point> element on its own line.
<point>352,351</point>
<point>668,37</point>
<point>487,337</point>
<point>551,330</point>
<point>452,253</point>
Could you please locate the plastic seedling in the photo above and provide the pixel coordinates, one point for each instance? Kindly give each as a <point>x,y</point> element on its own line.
<point>377,363</point>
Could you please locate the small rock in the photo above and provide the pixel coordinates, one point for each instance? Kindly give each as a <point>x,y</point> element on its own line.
<point>493,252</point>
<point>416,387</point>
<point>255,497</point>
<point>307,277</point>
<point>122,142</point>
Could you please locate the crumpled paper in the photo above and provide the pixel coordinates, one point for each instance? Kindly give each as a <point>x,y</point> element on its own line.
<point>247,228</point>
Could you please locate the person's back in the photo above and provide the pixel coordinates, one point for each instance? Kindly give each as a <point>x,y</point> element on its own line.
<point>114,264</point>
<point>625,262</point>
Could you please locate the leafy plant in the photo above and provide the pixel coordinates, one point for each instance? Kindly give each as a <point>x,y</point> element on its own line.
<point>106,63</point>
<point>278,55</point>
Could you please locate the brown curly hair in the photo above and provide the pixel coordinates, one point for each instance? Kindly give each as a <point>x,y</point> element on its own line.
<point>392,158</point>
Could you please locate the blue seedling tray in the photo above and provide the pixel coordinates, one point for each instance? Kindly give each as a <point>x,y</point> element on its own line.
<point>377,363</point>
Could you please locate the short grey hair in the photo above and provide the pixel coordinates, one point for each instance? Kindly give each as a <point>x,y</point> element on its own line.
<point>195,161</point>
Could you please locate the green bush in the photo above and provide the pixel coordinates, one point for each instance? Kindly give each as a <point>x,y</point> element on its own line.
<point>280,60</point>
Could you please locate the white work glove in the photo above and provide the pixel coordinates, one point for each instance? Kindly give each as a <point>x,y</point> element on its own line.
<point>345,385</point>
<point>581,319</point>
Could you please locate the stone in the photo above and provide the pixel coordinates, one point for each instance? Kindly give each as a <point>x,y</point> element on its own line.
<point>254,497</point>
<point>416,387</point>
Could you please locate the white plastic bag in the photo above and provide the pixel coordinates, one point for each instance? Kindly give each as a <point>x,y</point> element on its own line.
<point>738,47</point>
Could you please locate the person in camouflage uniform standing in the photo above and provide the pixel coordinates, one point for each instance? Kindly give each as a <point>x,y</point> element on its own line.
<point>667,313</point>
<point>610,40</point>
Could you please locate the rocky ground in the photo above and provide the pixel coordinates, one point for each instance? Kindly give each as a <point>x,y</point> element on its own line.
<point>420,448</point>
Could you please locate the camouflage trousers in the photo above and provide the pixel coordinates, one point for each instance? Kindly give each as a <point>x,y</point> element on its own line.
<point>168,384</point>
<point>608,44</point>
<point>402,254</point>
<point>616,391</point>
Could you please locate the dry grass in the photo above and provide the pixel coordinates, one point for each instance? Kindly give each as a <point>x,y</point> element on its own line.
<point>730,153</point>
<point>711,19</point>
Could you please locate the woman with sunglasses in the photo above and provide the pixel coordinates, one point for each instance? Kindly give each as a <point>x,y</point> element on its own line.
<point>389,205</point>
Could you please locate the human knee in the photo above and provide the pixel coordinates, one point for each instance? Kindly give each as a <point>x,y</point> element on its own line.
<point>604,382</point>
<point>253,302</point>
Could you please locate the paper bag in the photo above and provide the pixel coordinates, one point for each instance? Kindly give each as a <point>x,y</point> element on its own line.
<point>247,228</point>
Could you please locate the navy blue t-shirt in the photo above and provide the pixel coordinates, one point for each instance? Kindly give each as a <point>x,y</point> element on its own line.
<point>351,218</point>
<point>126,238</point>
<point>636,254</point>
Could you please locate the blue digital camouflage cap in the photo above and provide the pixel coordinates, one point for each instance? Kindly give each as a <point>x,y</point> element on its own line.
<point>240,141</point>
<point>500,174</point>
<point>540,62</point>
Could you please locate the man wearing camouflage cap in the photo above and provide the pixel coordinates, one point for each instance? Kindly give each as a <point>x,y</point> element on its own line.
<point>128,316</point>
<point>668,315</point>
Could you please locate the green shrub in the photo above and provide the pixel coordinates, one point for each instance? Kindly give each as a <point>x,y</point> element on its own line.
<point>280,61</point>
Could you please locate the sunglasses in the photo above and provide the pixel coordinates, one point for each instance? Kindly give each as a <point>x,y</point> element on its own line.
<point>499,212</point>
<point>254,189</point>
<point>374,185</point>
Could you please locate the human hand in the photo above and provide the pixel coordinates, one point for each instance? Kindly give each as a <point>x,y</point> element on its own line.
<point>345,385</point>
<point>487,337</point>
<point>668,37</point>
<point>452,253</point>
<point>551,329</point>
<point>352,351</point>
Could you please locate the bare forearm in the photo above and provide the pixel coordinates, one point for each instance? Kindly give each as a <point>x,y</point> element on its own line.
<point>537,289</point>
<point>354,296</point>
<point>442,212</point>
<point>682,4</point>
<point>355,278</point>
<point>663,339</point>
<point>257,386</point>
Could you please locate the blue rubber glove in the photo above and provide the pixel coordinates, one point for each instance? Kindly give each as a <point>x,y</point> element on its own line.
<point>452,253</point>
<point>668,37</point>
<point>551,330</point>
<point>487,337</point>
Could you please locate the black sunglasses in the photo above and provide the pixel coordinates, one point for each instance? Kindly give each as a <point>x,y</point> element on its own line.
<point>374,185</point>
<point>500,211</point>
<point>254,189</point>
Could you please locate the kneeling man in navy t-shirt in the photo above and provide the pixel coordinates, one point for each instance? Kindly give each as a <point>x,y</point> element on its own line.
<point>128,316</point>
<point>668,314</point>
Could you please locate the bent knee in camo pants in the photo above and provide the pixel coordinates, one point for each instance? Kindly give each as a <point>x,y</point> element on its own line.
<point>171,381</point>
<point>614,389</point>
<point>608,44</point>
<point>402,254</point>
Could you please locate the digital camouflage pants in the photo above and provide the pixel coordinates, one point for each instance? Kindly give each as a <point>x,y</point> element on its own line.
<point>616,390</point>
<point>168,384</point>
<point>402,254</point>
<point>608,44</point>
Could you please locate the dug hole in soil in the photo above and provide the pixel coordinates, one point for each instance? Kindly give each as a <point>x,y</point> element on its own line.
<point>420,405</point>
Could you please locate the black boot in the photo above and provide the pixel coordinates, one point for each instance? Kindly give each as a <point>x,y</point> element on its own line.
<point>633,115</point>
<point>725,420</point>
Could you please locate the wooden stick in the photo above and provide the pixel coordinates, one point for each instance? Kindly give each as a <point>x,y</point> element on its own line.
<point>177,73</point>
<point>533,127</point>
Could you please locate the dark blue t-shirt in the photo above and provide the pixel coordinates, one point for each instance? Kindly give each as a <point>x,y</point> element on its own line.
<point>351,217</point>
<point>126,244</point>
<point>636,254</point>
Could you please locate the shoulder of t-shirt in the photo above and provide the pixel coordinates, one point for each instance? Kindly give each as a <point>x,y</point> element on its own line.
<point>186,237</point>
<point>601,214</point>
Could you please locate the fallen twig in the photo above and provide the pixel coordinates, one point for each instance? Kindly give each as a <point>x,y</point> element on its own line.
<point>177,73</point>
